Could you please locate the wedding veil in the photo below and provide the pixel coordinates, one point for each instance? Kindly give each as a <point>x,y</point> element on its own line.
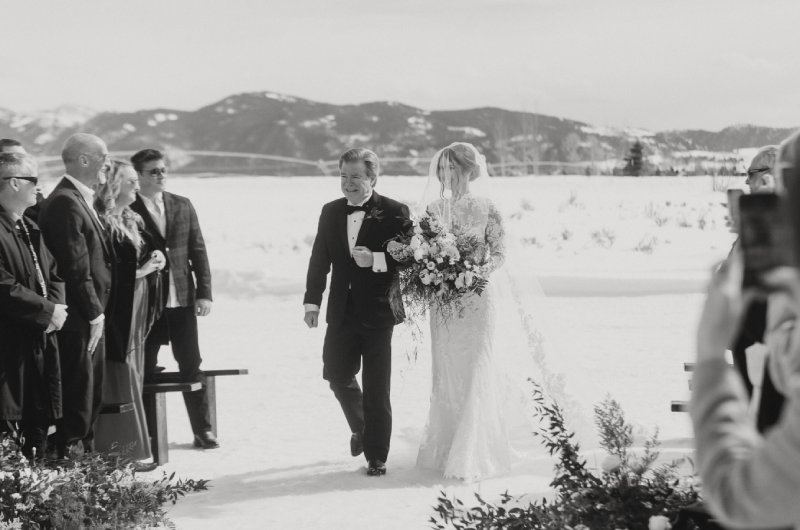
<point>523,339</point>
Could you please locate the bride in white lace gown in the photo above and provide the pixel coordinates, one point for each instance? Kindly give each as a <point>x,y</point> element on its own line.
<point>479,404</point>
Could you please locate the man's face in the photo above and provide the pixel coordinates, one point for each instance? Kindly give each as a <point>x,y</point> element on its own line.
<point>759,178</point>
<point>153,177</point>
<point>96,162</point>
<point>356,185</point>
<point>25,183</point>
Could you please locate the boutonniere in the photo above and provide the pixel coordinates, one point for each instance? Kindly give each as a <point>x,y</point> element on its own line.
<point>374,213</point>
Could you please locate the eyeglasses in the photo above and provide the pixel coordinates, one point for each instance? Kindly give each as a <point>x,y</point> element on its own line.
<point>158,171</point>
<point>34,180</point>
<point>751,172</point>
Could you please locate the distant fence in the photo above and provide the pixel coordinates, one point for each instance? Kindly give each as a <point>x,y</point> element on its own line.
<point>232,162</point>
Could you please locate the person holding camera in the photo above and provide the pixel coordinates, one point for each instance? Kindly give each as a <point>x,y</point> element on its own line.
<point>752,337</point>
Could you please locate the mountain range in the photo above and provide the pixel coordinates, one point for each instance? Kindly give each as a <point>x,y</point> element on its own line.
<point>269,123</point>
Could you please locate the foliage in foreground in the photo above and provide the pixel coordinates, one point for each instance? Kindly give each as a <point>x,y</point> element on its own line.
<point>88,492</point>
<point>630,492</point>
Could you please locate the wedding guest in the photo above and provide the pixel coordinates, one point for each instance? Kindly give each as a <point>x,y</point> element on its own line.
<point>9,145</point>
<point>750,479</point>
<point>135,299</point>
<point>171,222</point>
<point>760,179</point>
<point>31,310</point>
<point>76,237</point>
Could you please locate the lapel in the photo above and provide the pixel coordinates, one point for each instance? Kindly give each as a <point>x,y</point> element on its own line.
<point>101,231</point>
<point>149,222</point>
<point>369,222</point>
<point>340,225</point>
<point>169,214</point>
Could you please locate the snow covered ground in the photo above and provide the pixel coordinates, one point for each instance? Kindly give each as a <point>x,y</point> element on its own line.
<point>622,260</point>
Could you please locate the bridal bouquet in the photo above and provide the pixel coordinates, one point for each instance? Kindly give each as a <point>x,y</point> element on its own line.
<point>442,267</point>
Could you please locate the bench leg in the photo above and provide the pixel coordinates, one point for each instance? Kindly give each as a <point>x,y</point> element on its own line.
<point>211,392</point>
<point>155,406</point>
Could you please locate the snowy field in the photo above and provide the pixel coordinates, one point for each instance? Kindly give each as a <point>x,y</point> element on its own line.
<point>623,261</point>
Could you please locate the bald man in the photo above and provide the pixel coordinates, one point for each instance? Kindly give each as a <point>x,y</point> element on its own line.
<point>77,239</point>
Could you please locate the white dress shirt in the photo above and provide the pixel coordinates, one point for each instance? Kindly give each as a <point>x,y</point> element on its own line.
<point>354,222</point>
<point>156,209</point>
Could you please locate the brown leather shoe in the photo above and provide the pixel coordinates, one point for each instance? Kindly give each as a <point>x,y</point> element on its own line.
<point>376,468</point>
<point>205,440</point>
<point>356,443</point>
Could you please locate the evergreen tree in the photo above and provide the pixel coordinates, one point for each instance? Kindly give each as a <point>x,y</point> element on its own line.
<point>633,162</point>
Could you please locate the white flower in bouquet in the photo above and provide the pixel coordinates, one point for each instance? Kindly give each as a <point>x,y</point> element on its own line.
<point>430,265</point>
<point>439,259</point>
<point>658,522</point>
<point>415,242</point>
<point>469,276</point>
<point>425,277</point>
<point>417,229</point>
<point>467,263</point>
<point>460,281</point>
<point>451,252</point>
<point>610,464</point>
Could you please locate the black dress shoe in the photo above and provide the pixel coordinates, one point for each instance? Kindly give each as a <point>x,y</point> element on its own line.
<point>206,440</point>
<point>376,468</point>
<point>356,443</point>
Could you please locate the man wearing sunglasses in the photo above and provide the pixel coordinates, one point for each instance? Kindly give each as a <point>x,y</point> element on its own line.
<point>760,179</point>
<point>77,238</point>
<point>31,309</point>
<point>171,222</point>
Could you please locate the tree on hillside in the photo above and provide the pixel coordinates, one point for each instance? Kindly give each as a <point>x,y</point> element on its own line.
<point>634,161</point>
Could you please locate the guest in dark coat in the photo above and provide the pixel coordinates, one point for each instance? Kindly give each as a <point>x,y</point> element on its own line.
<point>31,309</point>
<point>84,256</point>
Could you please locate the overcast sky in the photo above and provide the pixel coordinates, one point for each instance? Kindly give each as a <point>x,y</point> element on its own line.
<point>640,63</point>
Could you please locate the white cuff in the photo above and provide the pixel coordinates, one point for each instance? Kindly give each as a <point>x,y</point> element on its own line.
<point>311,307</point>
<point>379,262</point>
<point>101,317</point>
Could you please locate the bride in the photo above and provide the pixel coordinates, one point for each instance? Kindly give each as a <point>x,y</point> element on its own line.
<point>480,418</point>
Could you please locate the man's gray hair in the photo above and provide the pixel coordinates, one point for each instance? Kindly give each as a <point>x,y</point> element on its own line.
<point>359,154</point>
<point>12,164</point>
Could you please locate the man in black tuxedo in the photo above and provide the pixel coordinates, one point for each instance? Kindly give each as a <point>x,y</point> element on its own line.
<point>351,239</point>
<point>171,223</point>
<point>77,239</point>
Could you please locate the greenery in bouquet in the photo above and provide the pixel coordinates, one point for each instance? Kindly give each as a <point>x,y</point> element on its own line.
<point>91,491</point>
<point>631,490</point>
<point>440,267</point>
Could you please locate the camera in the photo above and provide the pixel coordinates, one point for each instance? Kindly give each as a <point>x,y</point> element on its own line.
<point>765,234</point>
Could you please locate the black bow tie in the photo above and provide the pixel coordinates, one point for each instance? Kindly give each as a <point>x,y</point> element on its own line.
<point>352,209</point>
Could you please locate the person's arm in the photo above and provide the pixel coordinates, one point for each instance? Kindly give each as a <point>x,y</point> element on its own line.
<point>64,237</point>
<point>198,256</point>
<point>19,303</point>
<point>748,480</point>
<point>319,265</point>
<point>495,239</point>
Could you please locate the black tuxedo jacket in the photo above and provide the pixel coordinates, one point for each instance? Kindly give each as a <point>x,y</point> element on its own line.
<point>183,245</point>
<point>82,251</point>
<point>385,218</point>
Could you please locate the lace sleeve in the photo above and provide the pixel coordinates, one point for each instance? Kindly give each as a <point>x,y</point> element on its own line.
<point>495,239</point>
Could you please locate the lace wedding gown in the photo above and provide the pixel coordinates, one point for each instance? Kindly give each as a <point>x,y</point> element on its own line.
<point>474,407</point>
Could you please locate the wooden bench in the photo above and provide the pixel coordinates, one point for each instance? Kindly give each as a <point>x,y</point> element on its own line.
<point>155,404</point>
<point>681,405</point>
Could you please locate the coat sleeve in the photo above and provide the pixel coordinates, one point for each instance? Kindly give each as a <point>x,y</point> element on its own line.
<point>748,480</point>
<point>65,239</point>
<point>19,303</point>
<point>199,257</point>
<point>403,226</point>
<point>319,265</point>
<point>56,290</point>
